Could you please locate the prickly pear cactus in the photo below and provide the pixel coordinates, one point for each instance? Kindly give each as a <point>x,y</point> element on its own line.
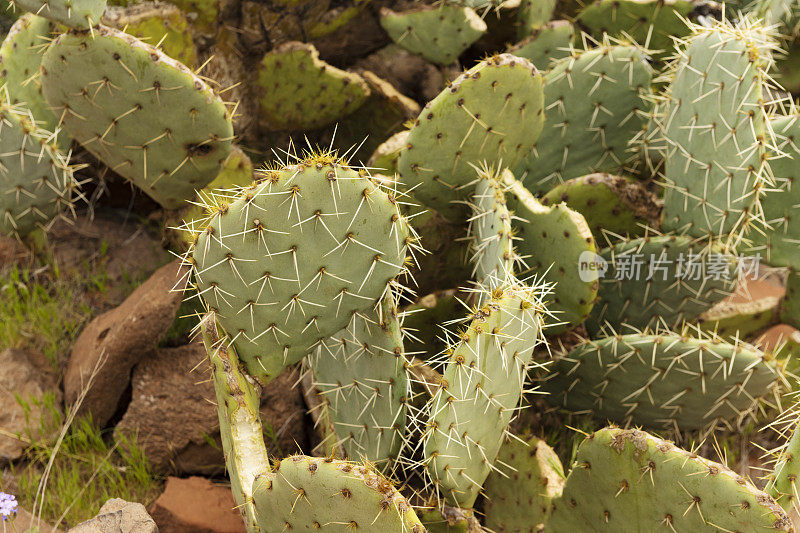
<point>439,34</point>
<point>790,307</point>
<point>672,381</point>
<point>717,131</point>
<point>310,493</point>
<point>361,372</point>
<point>424,320</point>
<point>519,496</point>
<point>609,203</point>
<point>146,116</point>
<point>493,254</point>
<point>554,241</point>
<point>549,43</point>
<point>595,103</point>
<point>627,480</point>
<point>782,481</point>
<point>384,159</point>
<point>286,262</point>
<point>297,90</point>
<point>36,182</point>
<point>741,320</point>
<point>80,14</point>
<point>534,14</point>
<point>484,373</point>
<point>492,114</point>
<point>20,58</point>
<point>159,24</point>
<point>668,279</point>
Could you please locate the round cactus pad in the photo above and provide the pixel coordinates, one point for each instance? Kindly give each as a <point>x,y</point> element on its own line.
<point>146,116</point>
<point>287,262</point>
<point>81,14</point>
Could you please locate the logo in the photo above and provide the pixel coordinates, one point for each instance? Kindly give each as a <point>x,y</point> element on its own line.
<point>591,266</point>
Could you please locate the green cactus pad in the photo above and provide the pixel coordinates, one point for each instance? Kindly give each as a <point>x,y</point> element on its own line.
<point>670,381</point>
<point>717,131</point>
<point>596,102</point>
<point>81,14</point>
<point>549,43</point>
<point>311,493</point>
<point>146,116</point>
<point>380,117</point>
<point>438,34</point>
<point>534,14</point>
<point>384,158</point>
<point>518,498</point>
<point>361,371</point>
<point>449,520</point>
<point>651,23</point>
<point>482,384</point>
<point>741,320</point>
<point>36,183</point>
<point>611,203</point>
<point>782,481</point>
<point>238,404</point>
<point>286,262</point>
<point>667,279</point>
<point>20,58</point>
<point>778,244</point>
<point>492,114</point>
<point>790,307</point>
<point>490,230</point>
<point>553,242</point>
<point>158,24</point>
<point>297,91</point>
<point>628,480</point>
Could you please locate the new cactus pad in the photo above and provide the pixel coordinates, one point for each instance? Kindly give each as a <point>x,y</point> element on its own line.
<point>439,34</point>
<point>492,241</point>
<point>492,113</point>
<point>664,380</point>
<point>627,480</point>
<point>484,373</point>
<point>146,116</point>
<point>595,103</point>
<point>286,262</point>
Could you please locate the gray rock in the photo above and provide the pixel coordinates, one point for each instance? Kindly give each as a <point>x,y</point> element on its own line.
<point>118,516</point>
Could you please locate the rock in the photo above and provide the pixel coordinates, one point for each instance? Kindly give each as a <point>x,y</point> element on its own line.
<point>408,73</point>
<point>118,516</point>
<point>115,341</point>
<point>120,250</point>
<point>196,505</point>
<point>29,376</point>
<point>25,521</point>
<point>173,415</point>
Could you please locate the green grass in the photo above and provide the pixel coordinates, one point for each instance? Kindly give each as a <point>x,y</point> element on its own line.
<point>41,311</point>
<point>85,472</point>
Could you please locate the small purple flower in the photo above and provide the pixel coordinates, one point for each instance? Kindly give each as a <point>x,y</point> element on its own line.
<point>8,506</point>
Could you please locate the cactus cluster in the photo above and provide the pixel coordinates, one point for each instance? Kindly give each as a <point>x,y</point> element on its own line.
<point>555,233</point>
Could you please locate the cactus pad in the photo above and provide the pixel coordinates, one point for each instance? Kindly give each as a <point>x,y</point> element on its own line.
<point>20,58</point>
<point>551,42</point>
<point>668,279</point>
<point>384,158</point>
<point>628,480</point>
<point>663,380</point>
<point>519,499</point>
<point>482,384</point>
<point>310,493</point>
<point>299,91</point>
<point>790,307</point>
<point>611,203</point>
<point>490,114</point>
<point>534,14</point>
<point>438,34</point>
<point>81,14</point>
<point>146,116</point>
<point>36,182</point>
<point>554,241</point>
<point>595,102</point>
<point>361,371</point>
<point>717,131</point>
<point>782,481</point>
<point>490,230</point>
<point>286,262</point>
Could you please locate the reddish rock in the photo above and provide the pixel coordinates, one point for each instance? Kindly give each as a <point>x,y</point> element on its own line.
<point>115,341</point>
<point>196,505</point>
<point>29,376</point>
<point>750,290</point>
<point>776,336</point>
<point>173,416</point>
